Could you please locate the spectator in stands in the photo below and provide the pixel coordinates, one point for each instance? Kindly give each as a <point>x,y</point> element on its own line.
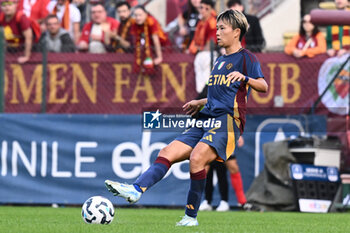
<point>17,29</point>
<point>147,34</point>
<point>96,35</point>
<point>188,21</point>
<point>254,39</point>
<point>122,39</point>
<point>56,39</point>
<point>82,6</point>
<point>309,42</point>
<point>110,6</point>
<point>338,37</point>
<point>34,9</point>
<point>200,45</point>
<point>69,16</point>
<point>133,3</point>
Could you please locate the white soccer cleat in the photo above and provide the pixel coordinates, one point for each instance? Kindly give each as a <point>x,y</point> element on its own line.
<point>126,191</point>
<point>205,206</point>
<point>187,221</point>
<point>223,206</point>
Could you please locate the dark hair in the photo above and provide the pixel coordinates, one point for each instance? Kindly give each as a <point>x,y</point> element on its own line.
<point>231,3</point>
<point>51,16</point>
<point>96,2</point>
<point>236,19</point>
<point>208,2</point>
<point>142,7</point>
<point>191,8</point>
<point>302,31</point>
<point>123,3</point>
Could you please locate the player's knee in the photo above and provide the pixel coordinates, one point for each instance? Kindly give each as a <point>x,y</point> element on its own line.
<point>165,153</point>
<point>196,160</point>
<point>234,170</point>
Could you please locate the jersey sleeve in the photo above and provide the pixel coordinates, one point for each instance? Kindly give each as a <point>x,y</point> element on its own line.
<point>24,23</point>
<point>75,14</point>
<point>255,70</point>
<point>113,24</point>
<point>210,33</point>
<point>85,33</point>
<point>154,30</point>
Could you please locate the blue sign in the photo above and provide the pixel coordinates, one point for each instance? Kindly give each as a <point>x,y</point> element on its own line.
<point>58,158</point>
<point>317,173</point>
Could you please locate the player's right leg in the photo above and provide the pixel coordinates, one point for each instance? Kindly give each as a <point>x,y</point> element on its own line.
<point>176,151</point>
<point>236,179</point>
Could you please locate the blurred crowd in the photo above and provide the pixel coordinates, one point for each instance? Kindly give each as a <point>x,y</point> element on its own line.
<point>121,26</point>
<point>310,41</point>
<point>125,26</point>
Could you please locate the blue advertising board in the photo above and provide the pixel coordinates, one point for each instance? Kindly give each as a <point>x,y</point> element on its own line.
<point>55,158</point>
<point>317,173</point>
<point>315,186</point>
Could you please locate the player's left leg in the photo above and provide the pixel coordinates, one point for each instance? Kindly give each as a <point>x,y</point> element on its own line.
<point>174,152</point>
<point>178,150</point>
<point>202,155</point>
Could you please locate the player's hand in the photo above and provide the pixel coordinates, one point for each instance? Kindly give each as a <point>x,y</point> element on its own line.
<point>192,107</point>
<point>235,76</point>
<point>240,141</point>
<point>297,53</point>
<point>22,59</point>
<point>96,37</point>
<point>157,60</point>
<point>105,27</point>
<point>331,52</point>
<point>341,52</point>
<point>83,45</point>
<point>183,31</point>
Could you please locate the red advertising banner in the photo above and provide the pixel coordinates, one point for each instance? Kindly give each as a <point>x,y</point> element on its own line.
<point>293,83</point>
<point>96,83</point>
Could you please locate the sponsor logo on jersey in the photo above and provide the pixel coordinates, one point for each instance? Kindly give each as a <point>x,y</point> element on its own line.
<point>221,65</point>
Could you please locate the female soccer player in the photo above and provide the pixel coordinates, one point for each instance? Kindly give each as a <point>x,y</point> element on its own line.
<point>233,76</point>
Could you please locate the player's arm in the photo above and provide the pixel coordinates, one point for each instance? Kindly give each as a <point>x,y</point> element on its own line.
<point>28,38</point>
<point>122,42</point>
<point>194,106</point>
<point>158,49</point>
<point>258,84</point>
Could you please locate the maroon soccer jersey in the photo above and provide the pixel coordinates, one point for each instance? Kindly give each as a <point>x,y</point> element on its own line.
<point>14,28</point>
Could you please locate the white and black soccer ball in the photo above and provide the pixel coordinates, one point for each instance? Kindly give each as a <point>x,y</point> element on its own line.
<point>98,210</point>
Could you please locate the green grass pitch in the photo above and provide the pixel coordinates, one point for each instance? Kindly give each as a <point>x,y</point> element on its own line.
<point>130,220</point>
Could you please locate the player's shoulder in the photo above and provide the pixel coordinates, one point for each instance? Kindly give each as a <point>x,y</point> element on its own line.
<point>249,56</point>
<point>212,22</point>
